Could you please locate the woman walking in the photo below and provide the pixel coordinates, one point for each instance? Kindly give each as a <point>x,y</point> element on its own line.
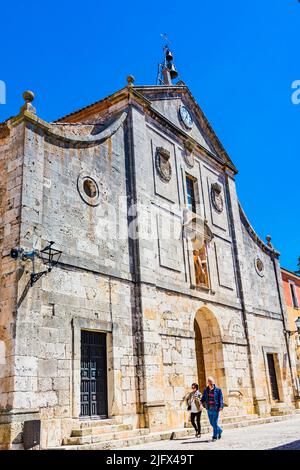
<point>195,407</point>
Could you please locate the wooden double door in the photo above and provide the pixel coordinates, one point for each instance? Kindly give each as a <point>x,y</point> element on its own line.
<point>93,391</point>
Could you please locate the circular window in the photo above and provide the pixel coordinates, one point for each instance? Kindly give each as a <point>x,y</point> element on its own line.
<point>259,266</point>
<point>88,190</point>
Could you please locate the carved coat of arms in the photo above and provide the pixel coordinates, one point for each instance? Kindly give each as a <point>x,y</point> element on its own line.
<point>189,155</point>
<point>216,197</point>
<point>163,164</point>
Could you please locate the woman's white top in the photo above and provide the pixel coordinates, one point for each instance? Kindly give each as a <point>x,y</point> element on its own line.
<point>194,408</point>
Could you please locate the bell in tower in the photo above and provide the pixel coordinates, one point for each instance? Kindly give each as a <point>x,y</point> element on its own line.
<point>166,70</point>
<point>173,71</point>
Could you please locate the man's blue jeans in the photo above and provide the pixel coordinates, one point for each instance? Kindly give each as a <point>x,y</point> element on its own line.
<point>213,417</point>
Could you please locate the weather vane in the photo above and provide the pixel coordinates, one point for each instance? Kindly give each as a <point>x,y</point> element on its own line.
<point>165,38</point>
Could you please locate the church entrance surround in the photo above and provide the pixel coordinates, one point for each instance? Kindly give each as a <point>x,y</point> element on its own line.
<point>93,367</point>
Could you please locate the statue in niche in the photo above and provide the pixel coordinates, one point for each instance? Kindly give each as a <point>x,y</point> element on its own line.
<point>200,264</point>
<point>199,234</point>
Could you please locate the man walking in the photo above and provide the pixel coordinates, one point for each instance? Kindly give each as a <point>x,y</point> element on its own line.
<point>212,399</point>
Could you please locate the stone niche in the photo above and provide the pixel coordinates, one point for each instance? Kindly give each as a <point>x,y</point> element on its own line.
<point>224,263</point>
<point>169,241</point>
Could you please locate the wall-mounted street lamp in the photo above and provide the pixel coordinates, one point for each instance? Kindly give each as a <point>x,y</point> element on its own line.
<point>49,255</point>
<point>290,333</point>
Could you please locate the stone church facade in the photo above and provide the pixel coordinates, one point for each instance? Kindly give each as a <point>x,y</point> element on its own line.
<point>141,304</point>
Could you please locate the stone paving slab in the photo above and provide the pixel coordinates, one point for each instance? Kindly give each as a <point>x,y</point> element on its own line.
<point>283,435</point>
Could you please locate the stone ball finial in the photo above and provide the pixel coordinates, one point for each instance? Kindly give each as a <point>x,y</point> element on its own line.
<point>268,238</point>
<point>130,80</point>
<point>28,96</point>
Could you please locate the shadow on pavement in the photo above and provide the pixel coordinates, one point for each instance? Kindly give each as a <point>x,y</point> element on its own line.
<point>295,445</point>
<point>199,441</point>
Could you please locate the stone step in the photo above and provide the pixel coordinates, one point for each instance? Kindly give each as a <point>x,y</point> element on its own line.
<point>225,419</point>
<point>90,423</point>
<point>104,438</point>
<point>280,410</point>
<point>117,443</point>
<point>95,430</point>
<point>237,418</point>
<point>165,435</point>
<point>133,440</point>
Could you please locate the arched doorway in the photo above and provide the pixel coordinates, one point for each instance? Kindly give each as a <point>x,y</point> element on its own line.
<point>199,357</point>
<point>209,349</point>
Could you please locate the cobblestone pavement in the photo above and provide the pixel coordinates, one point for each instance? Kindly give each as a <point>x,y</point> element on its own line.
<point>284,435</point>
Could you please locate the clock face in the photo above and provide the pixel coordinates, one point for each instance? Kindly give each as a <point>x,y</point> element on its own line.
<point>186,116</point>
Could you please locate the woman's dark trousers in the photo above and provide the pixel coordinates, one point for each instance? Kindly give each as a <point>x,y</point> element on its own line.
<point>195,420</point>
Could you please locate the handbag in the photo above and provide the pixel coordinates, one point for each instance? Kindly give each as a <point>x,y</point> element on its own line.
<point>189,408</point>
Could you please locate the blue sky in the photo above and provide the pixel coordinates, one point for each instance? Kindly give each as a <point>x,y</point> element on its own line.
<point>238,58</point>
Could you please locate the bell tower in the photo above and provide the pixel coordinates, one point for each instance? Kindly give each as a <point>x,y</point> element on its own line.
<point>166,69</point>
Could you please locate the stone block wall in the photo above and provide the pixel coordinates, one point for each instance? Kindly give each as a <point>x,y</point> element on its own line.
<point>11,173</point>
